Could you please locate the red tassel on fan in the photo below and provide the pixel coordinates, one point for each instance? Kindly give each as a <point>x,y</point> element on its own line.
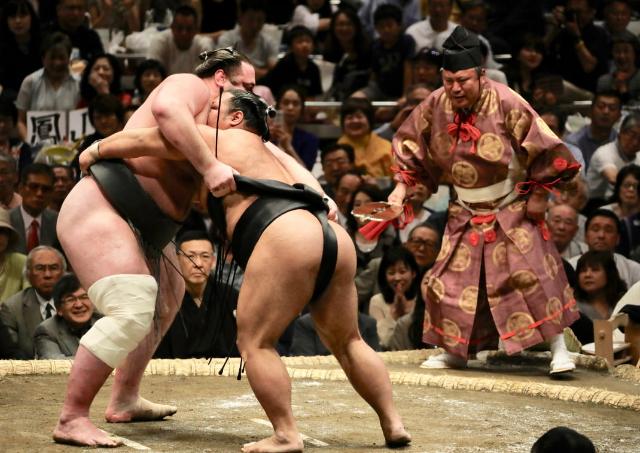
<point>371,230</point>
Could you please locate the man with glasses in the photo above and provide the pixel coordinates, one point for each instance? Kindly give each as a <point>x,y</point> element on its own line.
<point>337,159</point>
<point>23,312</point>
<point>34,222</point>
<point>205,325</point>
<point>58,337</point>
<point>424,244</point>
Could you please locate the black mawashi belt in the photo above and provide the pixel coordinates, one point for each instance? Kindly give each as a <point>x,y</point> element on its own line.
<point>123,190</point>
<point>276,198</point>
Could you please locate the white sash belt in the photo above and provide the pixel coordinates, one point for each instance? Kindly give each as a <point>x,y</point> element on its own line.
<point>504,188</point>
<point>488,193</point>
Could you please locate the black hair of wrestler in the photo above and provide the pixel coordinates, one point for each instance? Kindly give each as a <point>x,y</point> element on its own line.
<point>255,111</point>
<point>227,58</point>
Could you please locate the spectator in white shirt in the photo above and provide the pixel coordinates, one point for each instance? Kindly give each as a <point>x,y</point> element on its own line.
<point>51,87</point>
<point>436,28</point>
<point>250,37</point>
<point>178,48</point>
<point>607,161</point>
<point>602,234</point>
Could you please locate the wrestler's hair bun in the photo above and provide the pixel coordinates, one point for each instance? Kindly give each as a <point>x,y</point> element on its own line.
<point>270,111</point>
<point>205,54</point>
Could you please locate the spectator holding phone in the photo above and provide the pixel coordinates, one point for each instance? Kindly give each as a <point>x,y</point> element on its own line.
<point>578,47</point>
<point>298,143</point>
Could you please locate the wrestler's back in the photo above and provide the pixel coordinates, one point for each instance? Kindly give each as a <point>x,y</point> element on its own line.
<point>247,154</point>
<point>171,183</point>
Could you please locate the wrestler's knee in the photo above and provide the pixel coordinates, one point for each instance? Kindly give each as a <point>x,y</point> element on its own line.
<point>338,341</point>
<point>128,305</point>
<point>247,342</point>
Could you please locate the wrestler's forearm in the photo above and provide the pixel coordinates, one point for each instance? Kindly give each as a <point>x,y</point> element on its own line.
<point>132,143</point>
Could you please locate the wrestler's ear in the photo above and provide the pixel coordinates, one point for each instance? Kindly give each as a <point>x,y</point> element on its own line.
<point>236,118</point>
<point>220,77</point>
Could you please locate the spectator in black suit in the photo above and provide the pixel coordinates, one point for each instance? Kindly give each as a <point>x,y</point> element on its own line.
<point>205,326</point>
<point>34,222</point>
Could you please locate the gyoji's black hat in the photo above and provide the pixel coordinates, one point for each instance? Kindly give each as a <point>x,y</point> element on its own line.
<point>461,50</point>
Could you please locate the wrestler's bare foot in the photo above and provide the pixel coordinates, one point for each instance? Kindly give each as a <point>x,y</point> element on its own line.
<point>80,431</point>
<point>141,410</point>
<point>396,436</point>
<point>275,444</point>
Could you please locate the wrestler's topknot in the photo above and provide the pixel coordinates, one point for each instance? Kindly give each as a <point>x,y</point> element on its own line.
<point>227,58</point>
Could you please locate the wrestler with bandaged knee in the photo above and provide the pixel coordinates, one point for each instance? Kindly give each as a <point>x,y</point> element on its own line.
<point>128,304</point>
<point>265,221</point>
<point>115,227</point>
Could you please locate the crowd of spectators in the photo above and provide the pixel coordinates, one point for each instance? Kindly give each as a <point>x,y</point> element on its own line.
<point>575,61</point>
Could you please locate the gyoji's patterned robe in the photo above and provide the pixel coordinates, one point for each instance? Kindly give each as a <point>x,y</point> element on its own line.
<point>522,292</point>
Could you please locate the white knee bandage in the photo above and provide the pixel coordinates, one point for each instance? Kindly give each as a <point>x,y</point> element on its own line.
<point>128,304</point>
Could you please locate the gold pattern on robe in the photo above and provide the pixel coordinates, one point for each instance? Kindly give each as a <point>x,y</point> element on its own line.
<point>499,254</point>
<point>445,248</point>
<point>469,299</point>
<point>464,174</point>
<point>516,206</point>
<point>409,148</point>
<point>554,305</point>
<point>524,281</point>
<point>533,150</point>
<point>461,259</point>
<point>490,147</point>
<point>452,332</point>
<point>521,238</point>
<point>445,103</point>
<point>545,129</point>
<point>423,122</point>
<point>435,289</point>
<point>492,297</point>
<point>550,266</point>
<point>488,102</point>
<point>519,322</point>
<point>518,123</point>
<point>568,296</point>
